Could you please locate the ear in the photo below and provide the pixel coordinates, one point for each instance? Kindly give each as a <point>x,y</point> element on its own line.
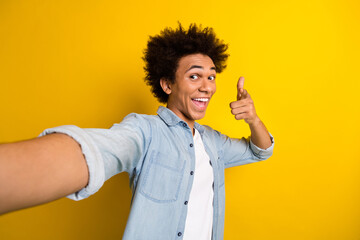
<point>165,85</point>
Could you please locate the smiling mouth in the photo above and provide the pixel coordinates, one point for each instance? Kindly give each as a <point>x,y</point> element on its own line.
<point>201,103</point>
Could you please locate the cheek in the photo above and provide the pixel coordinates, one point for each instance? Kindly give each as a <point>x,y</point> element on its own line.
<point>214,88</point>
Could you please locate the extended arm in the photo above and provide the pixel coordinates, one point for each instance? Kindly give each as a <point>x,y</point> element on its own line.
<point>244,108</point>
<point>40,170</point>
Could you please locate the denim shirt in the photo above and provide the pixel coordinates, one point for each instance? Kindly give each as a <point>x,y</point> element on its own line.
<point>157,151</point>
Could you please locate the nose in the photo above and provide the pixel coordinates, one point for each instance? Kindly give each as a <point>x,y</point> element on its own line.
<point>207,86</point>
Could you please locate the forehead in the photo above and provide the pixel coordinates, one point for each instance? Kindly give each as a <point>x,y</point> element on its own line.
<point>197,59</point>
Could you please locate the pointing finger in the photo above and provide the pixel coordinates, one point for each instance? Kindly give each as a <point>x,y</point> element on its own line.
<point>240,87</point>
<point>240,84</point>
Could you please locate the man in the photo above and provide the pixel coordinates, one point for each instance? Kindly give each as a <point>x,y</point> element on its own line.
<point>176,166</point>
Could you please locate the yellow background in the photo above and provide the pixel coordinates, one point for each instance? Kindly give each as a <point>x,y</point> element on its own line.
<point>79,62</point>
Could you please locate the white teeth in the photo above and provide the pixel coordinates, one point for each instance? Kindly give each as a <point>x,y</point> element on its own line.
<point>201,99</point>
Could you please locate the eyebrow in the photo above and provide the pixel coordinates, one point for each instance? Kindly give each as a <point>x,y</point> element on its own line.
<point>197,66</point>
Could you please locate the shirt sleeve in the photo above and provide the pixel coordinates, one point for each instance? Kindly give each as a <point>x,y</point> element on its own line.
<point>236,152</point>
<point>107,151</point>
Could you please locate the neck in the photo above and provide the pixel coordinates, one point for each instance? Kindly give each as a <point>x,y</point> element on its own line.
<point>190,122</point>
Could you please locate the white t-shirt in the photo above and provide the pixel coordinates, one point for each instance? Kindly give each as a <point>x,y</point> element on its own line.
<point>199,217</point>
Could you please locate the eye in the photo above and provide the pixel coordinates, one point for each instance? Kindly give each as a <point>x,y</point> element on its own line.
<point>211,78</point>
<point>194,77</point>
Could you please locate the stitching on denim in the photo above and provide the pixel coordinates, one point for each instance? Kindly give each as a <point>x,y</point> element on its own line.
<point>166,166</point>
<point>229,163</point>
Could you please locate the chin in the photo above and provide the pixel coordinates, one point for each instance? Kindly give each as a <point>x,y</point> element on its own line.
<point>198,116</point>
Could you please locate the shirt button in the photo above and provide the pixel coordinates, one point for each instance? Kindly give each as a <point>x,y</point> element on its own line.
<point>191,145</point>
<point>184,124</point>
<point>186,202</point>
<point>179,234</point>
<point>192,173</point>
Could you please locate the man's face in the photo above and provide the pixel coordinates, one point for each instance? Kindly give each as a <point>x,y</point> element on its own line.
<point>193,88</point>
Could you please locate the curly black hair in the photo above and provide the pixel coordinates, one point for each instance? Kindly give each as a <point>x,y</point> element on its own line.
<point>164,51</point>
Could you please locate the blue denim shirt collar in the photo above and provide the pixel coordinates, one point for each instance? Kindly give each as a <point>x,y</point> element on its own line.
<point>171,119</point>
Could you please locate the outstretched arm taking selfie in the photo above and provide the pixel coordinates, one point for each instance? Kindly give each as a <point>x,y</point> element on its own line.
<point>40,170</point>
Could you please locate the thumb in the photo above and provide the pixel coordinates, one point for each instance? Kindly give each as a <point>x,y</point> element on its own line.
<point>240,87</point>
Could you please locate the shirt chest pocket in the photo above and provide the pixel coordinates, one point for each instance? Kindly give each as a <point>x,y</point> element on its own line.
<point>163,176</point>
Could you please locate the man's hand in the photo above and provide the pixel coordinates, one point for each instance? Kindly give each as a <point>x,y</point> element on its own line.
<point>244,107</point>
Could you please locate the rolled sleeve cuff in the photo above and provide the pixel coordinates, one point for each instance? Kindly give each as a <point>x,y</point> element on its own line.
<point>92,156</point>
<point>260,152</point>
